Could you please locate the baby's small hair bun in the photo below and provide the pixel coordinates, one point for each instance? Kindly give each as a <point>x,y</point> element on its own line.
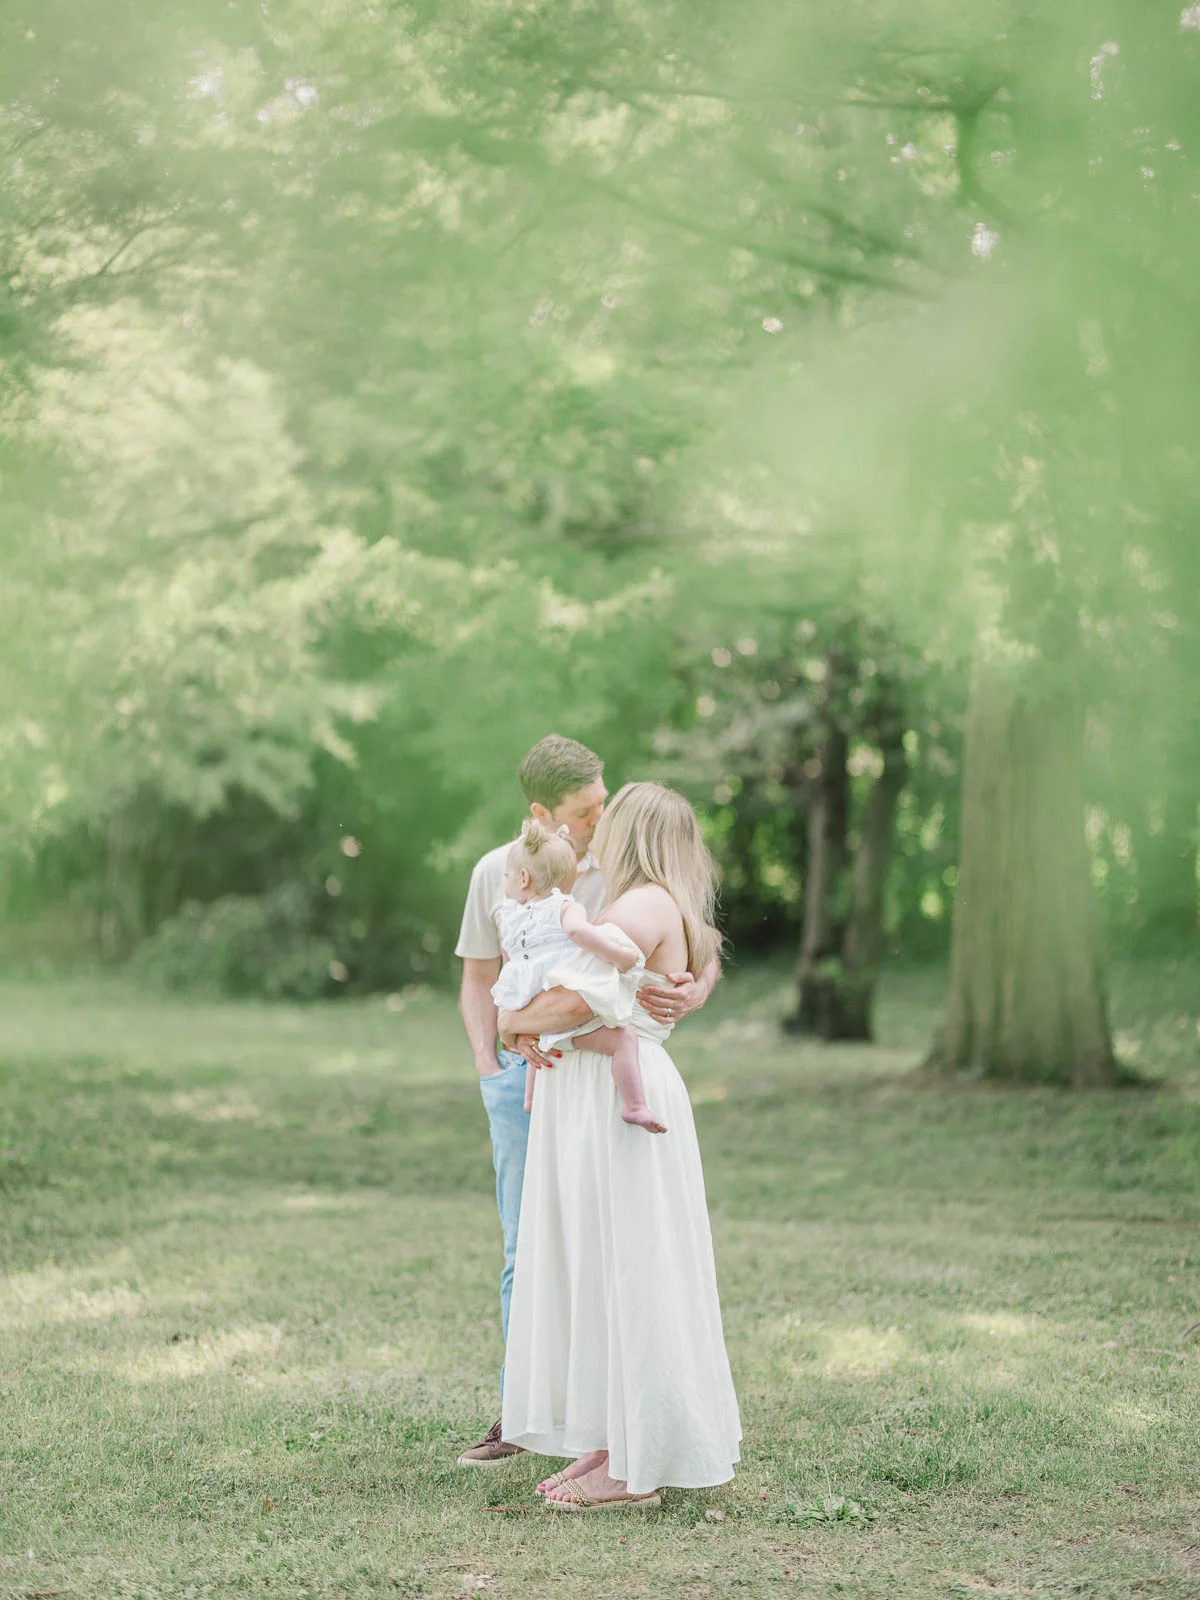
<point>532,835</point>
<point>548,856</point>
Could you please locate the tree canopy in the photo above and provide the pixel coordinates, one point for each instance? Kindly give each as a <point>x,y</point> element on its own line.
<point>383,386</point>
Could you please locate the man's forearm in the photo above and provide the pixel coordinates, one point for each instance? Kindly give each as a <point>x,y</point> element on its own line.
<point>554,1011</point>
<point>479,1018</point>
<point>711,976</point>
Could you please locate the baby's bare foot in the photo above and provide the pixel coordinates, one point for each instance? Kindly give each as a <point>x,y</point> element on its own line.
<point>643,1117</point>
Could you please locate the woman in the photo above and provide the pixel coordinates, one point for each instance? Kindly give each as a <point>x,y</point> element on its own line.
<point>615,1353</point>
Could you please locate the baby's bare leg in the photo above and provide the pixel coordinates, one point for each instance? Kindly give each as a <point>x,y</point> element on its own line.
<point>622,1045</point>
<point>530,1080</point>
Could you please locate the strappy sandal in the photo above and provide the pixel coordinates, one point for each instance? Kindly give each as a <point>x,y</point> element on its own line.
<point>552,1482</point>
<point>579,1501</point>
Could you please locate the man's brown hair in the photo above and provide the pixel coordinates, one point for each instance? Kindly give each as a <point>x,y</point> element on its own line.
<point>555,768</point>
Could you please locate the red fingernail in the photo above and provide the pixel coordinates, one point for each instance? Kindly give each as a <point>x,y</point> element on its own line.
<point>557,1053</point>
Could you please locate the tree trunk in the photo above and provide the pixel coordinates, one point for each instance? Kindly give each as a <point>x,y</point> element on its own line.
<point>818,971</point>
<point>120,919</point>
<point>863,946</point>
<point>1027,1000</point>
<point>1166,858</point>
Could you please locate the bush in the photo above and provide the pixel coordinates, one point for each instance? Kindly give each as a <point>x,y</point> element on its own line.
<point>242,945</point>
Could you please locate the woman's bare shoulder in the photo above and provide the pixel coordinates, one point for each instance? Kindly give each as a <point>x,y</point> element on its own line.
<point>648,914</point>
<point>649,897</point>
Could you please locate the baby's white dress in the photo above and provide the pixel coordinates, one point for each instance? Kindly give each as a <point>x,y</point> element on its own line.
<point>541,956</point>
<point>534,940</point>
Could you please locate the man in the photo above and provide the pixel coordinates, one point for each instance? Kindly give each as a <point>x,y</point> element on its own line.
<point>563,782</point>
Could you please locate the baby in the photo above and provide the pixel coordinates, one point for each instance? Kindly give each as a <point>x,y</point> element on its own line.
<point>540,925</point>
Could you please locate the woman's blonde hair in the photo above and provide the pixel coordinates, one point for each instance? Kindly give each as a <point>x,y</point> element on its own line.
<point>649,834</point>
<point>547,857</point>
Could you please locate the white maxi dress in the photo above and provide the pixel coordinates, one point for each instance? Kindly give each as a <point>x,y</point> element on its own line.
<point>614,1337</point>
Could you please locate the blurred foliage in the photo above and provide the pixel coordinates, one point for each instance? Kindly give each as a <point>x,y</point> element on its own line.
<point>746,752</point>
<point>242,944</point>
<point>382,389</point>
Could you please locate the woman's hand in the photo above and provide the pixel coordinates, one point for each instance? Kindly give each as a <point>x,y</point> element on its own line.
<point>525,1044</point>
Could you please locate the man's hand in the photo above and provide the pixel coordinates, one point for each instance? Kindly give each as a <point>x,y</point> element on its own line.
<point>479,1012</point>
<point>668,1005</point>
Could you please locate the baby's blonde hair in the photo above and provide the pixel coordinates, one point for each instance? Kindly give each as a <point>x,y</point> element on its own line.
<point>547,857</point>
<point>650,834</point>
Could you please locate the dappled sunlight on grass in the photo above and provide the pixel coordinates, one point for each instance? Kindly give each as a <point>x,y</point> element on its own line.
<point>209,1107</point>
<point>28,1299</point>
<point>1135,1418</point>
<point>322,1203</point>
<point>862,1352</point>
<point>704,1094</point>
<point>242,1349</point>
<point>1003,1323</point>
<point>344,1062</point>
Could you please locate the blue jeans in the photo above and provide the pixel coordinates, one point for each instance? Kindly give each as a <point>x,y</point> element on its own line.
<point>504,1099</point>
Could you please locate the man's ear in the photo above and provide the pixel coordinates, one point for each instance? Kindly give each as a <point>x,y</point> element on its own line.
<point>539,814</point>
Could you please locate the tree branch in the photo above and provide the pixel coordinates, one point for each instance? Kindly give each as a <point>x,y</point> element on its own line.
<point>490,151</point>
<point>627,91</point>
<point>142,227</point>
<point>836,271</point>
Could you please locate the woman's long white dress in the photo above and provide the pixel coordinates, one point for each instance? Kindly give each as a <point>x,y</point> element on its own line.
<point>614,1337</point>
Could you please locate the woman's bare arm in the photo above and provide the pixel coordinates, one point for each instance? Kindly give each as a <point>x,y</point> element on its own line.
<point>652,920</point>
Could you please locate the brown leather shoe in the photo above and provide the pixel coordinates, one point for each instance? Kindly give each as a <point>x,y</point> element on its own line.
<point>492,1452</point>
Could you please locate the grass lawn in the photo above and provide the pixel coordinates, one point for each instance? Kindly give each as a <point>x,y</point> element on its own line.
<point>248,1312</point>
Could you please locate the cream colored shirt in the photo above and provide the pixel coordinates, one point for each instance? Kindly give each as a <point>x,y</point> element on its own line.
<point>479,937</point>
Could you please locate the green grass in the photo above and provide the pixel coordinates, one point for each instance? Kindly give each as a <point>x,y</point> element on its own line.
<point>248,1315</point>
